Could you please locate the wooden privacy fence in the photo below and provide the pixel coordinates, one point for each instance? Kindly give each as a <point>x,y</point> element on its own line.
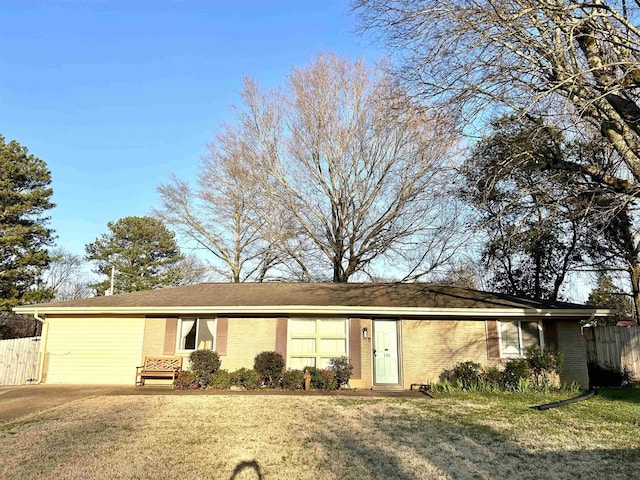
<point>19,360</point>
<point>614,347</point>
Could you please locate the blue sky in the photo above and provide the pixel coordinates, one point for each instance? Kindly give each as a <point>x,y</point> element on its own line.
<point>117,95</point>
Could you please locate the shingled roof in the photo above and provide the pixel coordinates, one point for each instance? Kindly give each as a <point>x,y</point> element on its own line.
<point>287,295</point>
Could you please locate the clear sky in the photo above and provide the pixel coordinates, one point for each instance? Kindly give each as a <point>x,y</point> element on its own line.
<point>117,95</point>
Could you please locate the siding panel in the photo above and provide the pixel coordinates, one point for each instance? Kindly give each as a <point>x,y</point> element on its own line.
<point>94,350</point>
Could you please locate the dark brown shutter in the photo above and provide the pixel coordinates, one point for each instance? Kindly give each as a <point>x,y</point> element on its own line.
<point>355,348</point>
<point>222,330</point>
<point>493,343</point>
<point>550,332</point>
<point>281,337</point>
<point>170,330</point>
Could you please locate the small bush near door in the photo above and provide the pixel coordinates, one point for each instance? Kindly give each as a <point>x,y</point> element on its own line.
<point>342,370</point>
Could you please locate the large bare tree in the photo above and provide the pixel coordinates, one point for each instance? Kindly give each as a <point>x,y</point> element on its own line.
<point>335,176</point>
<point>356,169</point>
<point>573,57</point>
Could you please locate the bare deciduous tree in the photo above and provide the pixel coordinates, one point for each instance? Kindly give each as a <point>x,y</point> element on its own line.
<point>328,178</point>
<point>219,217</point>
<point>65,276</point>
<point>356,170</point>
<point>191,269</point>
<point>577,57</point>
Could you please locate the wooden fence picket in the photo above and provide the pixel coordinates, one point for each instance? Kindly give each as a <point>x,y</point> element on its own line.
<point>614,347</point>
<point>19,360</point>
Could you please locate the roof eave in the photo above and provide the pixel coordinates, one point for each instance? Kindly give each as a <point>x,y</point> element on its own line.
<point>317,310</point>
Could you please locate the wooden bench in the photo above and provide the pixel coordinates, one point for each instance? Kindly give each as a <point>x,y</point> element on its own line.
<point>158,367</point>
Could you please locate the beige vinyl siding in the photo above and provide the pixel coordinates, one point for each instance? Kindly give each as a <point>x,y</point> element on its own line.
<point>431,346</point>
<point>247,337</point>
<point>571,341</point>
<point>94,350</point>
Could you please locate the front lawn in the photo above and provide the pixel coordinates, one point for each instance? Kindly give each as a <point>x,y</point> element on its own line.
<point>484,436</point>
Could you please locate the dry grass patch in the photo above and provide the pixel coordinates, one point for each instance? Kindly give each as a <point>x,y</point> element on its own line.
<point>289,437</point>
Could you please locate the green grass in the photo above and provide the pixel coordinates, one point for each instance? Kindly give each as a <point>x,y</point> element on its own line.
<point>461,435</point>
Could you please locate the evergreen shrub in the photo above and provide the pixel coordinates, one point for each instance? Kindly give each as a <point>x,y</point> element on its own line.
<point>269,366</point>
<point>203,364</point>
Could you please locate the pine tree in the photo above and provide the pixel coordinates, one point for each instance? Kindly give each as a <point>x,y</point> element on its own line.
<point>143,253</point>
<point>25,197</point>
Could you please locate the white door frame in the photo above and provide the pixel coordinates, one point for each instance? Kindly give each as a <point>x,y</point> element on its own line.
<point>375,353</point>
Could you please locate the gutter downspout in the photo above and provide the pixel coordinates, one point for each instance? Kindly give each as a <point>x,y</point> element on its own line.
<point>43,345</point>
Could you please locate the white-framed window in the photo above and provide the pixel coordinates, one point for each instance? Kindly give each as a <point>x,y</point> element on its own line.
<point>315,341</point>
<point>195,333</point>
<point>516,336</point>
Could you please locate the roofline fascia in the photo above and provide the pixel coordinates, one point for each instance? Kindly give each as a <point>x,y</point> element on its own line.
<point>319,309</point>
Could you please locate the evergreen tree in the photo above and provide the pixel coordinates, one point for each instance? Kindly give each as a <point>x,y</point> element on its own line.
<point>25,197</point>
<point>534,218</point>
<point>607,295</point>
<point>143,252</point>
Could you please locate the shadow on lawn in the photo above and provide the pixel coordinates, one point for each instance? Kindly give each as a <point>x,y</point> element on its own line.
<point>413,449</point>
<point>247,466</point>
<point>621,394</point>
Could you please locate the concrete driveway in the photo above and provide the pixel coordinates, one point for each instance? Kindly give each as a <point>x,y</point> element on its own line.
<point>18,401</point>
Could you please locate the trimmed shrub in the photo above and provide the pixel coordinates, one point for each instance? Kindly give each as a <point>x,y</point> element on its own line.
<point>220,380</point>
<point>467,374</point>
<point>246,378</point>
<point>185,380</point>
<point>342,370</point>
<point>293,380</point>
<point>203,364</point>
<point>516,371</point>
<point>545,365</point>
<point>492,376</point>
<point>269,366</point>
<point>322,379</point>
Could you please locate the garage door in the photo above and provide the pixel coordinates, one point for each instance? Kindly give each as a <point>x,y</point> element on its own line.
<point>94,350</point>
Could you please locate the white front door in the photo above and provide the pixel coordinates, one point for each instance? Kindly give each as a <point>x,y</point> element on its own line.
<point>385,352</point>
